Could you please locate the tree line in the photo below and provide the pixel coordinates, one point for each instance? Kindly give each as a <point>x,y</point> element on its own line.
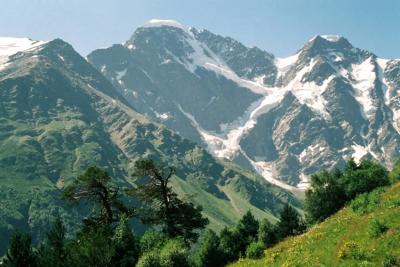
<point>177,236</point>
<point>105,237</point>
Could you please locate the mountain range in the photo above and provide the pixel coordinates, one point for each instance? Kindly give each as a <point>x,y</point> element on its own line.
<point>244,128</point>
<point>59,115</point>
<point>282,117</point>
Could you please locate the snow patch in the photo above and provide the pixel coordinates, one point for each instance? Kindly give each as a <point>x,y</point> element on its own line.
<point>364,76</point>
<point>120,74</point>
<point>10,46</point>
<point>331,37</point>
<point>284,64</point>
<point>165,22</point>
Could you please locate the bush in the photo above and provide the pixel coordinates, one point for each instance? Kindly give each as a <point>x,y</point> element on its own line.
<point>391,261</point>
<point>149,259</point>
<point>394,175</point>
<point>350,250</point>
<point>365,177</point>
<point>151,240</point>
<point>174,254</point>
<point>208,253</point>
<point>366,202</point>
<point>376,228</point>
<point>325,196</point>
<point>255,250</point>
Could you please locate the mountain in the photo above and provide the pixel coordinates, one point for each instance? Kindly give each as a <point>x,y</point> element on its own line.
<point>59,115</point>
<point>283,117</point>
<point>363,234</point>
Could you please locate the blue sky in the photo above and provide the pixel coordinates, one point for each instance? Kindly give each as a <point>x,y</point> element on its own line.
<point>278,26</point>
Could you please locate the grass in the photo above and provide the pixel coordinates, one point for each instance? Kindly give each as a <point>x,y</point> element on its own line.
<point>348,238</point>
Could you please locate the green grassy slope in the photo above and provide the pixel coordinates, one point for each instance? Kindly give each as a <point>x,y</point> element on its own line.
<point>58,116</point>
<point>344,239</point>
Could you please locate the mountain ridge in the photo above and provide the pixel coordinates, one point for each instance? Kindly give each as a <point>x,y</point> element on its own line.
<point>344,86</point>
<point>59,116</point>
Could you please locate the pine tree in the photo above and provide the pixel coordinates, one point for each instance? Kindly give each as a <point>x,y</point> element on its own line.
<point>53,252</point>
<point>290,222</point>
<point>267,233</point>
<point>246,231</point>
<point>325,196</point>
<point>162,206</point>
<point>125,244</point>
<point>20,252</point>
<point>208,253</point>
<point>94,186</point>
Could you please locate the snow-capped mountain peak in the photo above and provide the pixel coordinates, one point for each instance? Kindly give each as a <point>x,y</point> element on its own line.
<point>154,23</point>
<point>283,117</point>
<point>10,46</point>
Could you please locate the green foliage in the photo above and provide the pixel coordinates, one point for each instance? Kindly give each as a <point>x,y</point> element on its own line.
<point>377,227</point>
<point>149,259</point>
<point>344,239</point>
<point>364,177</point>
<point>162,206</point>
<point>366,202</point>
<point>151,240</point>
<point>290,222</point>
<point>351,250</point>
<point>394,174</point>
<point>229,245</point>
<point>325,196</point>
<point>267,233</point>
<point>391,261</point>
<point>94,186</point>
<point>208,252</point>
<point>53,253</point>
<point>173,254</point>
<point>93,247</point>
<point>125,244</point>
<point>20,252</point>
<point>255,250</point>
<point>246,231</point>
<point>330,191</point>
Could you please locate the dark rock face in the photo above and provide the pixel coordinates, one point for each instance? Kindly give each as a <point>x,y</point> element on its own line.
<point>285,118</point>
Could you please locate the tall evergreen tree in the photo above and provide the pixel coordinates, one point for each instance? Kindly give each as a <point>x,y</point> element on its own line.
<point>20,252</point>
<point>162,206</point>
<point>325,196</point>
<point>208,253</point>
<point>246,231</point>
<point>267,233</point>
<point>53,252</point>
<point>363,177</point>
<point>126,246</point>
<point>289,223</point>
<point>95,186</point>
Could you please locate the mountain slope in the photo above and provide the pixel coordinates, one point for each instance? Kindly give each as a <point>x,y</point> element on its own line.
<point>348,238</point>
<point>234,100</point>
<point>59,115</point>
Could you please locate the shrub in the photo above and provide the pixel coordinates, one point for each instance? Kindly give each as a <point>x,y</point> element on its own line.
<point>350,250</point>
<point>366,202</point>
<point>151,240</point>
<point>255,250</point>
<point>390,261</point>
<point>208,253</point>
<point>376,228</point>
<point>149,259</point>
<point>174,254</point>
<point>364,177</point>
